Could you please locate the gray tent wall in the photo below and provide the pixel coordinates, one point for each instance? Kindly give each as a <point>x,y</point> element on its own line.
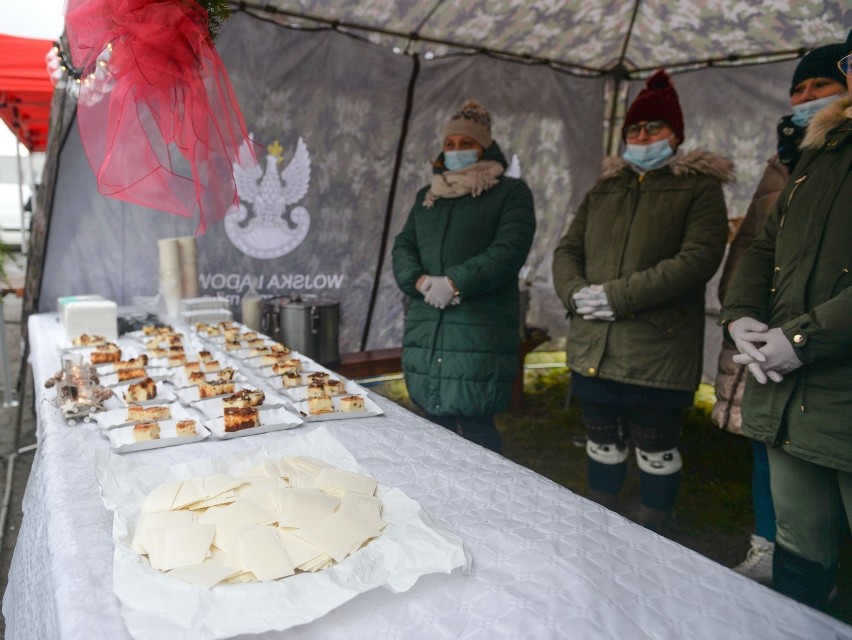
<point>347,99</point>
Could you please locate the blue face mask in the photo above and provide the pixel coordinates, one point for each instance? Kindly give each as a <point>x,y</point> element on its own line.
<point>804,113</point>
<point>458,160</point>
<point>648,156</point>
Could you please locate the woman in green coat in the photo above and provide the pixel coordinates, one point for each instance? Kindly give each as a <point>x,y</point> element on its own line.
<point>631,271</point>
<point>789,313</point>
<point>458,258</point>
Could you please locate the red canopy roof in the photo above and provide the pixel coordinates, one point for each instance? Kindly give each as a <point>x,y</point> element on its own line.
<point>25,89</point>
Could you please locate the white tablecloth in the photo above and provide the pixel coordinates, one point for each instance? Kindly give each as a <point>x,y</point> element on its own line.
<point>546,562</point>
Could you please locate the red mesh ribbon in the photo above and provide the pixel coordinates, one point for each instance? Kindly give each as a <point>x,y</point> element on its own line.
<point>167,133</point>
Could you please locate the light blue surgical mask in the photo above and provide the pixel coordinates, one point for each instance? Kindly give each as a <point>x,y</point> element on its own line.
<point>804,113</point>
<point>648,156</point>
<point>458,160</point>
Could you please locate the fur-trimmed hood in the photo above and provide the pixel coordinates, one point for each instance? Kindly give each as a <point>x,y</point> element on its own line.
<point>826,120</point>
<point>682,164</point>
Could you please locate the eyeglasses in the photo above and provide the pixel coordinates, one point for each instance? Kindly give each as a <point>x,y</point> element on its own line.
<point>652,128</point>
<point>844,64</point>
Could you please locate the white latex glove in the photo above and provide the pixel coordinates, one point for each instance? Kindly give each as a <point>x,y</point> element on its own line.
<point>591,303</point>
<point>780,358</point>
<point>439,292</point>
<point>747,334</point>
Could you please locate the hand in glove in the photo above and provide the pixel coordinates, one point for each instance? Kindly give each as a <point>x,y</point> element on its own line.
<point>591,303</point>
<point>779,358</point>
<point>747,334</point>
<point>438,291</point>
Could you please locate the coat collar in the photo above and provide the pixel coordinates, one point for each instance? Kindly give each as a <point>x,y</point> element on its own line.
<point>826,120</point>
<point>681,164</point>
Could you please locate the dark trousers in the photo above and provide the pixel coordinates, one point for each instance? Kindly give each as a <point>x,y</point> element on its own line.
<point>478,429</point>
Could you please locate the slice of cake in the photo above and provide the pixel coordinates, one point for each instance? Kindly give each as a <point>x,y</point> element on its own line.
<point>146,431</point>
<point>233,345</point>
<point>108,352</point>
<point>177,359</point>
<point>205,356</point>
<point>191,367</point>
<point>239,418</point>
<point>258,351</point>
<point>138,413</point>
<point>196,378</point>
<point>319,376</point>
<point>215,388</point>
<point>351,403</point>
<point>291,379</point>
<point>287,366</point>
<point>322,404</point>
<point>140,391</point>
<point>133,363</point>
<point>316,390</point>
<point>210,366</point>
<point>227,373</point>
<point>158,352</point>
<point>277,347</point>
<point>85,340</point>
<point>186,429</point>
<point>131,374</point>
<point>245,398</point>
<point>334,388</point>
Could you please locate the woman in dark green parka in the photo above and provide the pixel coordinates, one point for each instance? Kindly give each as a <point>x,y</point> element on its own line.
<point>458,258</point>
<point>631,270</point>
<point>789,312</point>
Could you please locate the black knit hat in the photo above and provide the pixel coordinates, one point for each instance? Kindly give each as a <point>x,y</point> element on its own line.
<point>821,63</point>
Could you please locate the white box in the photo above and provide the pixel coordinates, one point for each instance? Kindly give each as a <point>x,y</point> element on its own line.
<point>93,317</point>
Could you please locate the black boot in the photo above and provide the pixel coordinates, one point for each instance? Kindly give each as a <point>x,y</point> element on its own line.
<point>654,519</point>
<point>803,580</point>
<point>608,500</point>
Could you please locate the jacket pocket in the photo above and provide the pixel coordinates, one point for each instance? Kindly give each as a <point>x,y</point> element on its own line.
<point>841,282</point>
<point>668,322</point>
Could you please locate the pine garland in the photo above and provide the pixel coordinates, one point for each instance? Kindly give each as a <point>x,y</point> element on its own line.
<point>218,11</point>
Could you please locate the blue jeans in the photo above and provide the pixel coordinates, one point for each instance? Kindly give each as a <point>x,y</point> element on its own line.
<point>478,429</point>
<point>761,493</point>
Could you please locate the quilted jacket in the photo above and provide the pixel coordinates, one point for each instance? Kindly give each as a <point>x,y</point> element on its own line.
<point>796,276</point>
<point>462,360</point>
<point>730,376</point>
<point>653,241</point>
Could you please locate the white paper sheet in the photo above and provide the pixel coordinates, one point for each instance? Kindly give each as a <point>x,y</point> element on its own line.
<point>155,605</point>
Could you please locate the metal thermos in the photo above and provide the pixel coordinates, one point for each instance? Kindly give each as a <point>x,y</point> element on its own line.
<point>308,324</point>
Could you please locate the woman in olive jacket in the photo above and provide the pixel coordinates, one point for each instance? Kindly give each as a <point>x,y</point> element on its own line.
<point>458,258</point>
<point>631,271</point>
<point>789,312</point>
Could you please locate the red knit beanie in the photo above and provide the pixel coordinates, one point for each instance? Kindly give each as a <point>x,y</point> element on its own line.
<point>657,101</point>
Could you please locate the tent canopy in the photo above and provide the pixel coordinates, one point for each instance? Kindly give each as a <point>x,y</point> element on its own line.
<point>25,89</point>
<point>631,36</point>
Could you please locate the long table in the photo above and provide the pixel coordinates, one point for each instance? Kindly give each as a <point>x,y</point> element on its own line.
<point>546,563</point>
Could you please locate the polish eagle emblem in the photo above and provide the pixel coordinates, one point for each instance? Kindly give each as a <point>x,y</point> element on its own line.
<point>265,224</point>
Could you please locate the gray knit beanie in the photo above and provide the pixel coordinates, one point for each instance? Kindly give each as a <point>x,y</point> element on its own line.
<point>472,119</point>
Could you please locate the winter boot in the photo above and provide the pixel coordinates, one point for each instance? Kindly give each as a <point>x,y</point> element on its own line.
<point>803,580</point>
<point>758,562</point>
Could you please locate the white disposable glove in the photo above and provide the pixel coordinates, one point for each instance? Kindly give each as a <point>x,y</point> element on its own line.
<point>779,358</point>
<point>591,303</point>
<point>747,334</point>
<point>438,291</point>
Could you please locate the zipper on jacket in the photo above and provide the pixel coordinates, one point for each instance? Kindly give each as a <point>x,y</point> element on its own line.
<point>798,181</point>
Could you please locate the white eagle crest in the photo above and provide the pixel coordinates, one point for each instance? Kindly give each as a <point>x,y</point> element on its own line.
<point>268,229</point>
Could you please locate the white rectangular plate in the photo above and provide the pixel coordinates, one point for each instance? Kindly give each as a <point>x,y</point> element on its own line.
<point>118,417</point>
<point>212,407</point>
<point>156,374</point>
<point>350,388</point>
<point>182,380</point>
<point>165,394</point>
<point>370,409</point>
<point>121,439</point>
<point>189,395</point>
<point>274,419</point>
